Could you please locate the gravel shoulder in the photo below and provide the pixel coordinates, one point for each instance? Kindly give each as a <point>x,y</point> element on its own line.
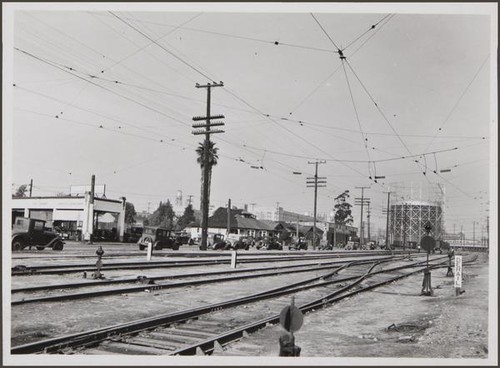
<point>440,327</point>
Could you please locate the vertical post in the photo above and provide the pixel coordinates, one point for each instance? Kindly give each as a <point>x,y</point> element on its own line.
<point>315,204</point>
<point>488,231</point>
<point>234,258</point>
<point>473,233</point>
<point>206,172</point>
<point>361,232</point>
<point>315,182</point>
<point>297,228</point>
<point>462,237</point>
<point>31,187</point>
<point>387,222</point>
<point>228,217</point>
<point>205,201</point>
<point>368,220</point>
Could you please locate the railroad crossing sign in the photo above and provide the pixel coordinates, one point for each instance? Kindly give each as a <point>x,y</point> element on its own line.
<point>428,243</point>
<point>291,318</point>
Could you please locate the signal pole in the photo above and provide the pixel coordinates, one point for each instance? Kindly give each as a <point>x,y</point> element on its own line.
<point>363,201</point>
<point>31,187</point>
<point>387,221</point>
<point>368,220</point>
<point>315,181</point>
<point>205,201</point>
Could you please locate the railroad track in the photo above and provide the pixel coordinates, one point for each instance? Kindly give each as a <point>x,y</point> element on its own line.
<point>151,283</point>
<point>201,330</point>
<point>22,270</point>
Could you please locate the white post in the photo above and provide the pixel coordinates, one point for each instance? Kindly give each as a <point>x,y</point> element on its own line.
<point>234,258</point>
<point>150,251</point>
<point>458,274</point>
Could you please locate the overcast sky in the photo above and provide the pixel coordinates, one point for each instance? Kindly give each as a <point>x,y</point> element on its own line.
<point>413,84</point>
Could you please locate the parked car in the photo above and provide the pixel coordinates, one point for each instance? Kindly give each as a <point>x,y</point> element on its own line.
<point>182,237</point>
<point>298,244</point>
<point>159,237</point>
<point>132,234</point>
<point>270,243</point>
<point>217,242</point>
<point>28,232</point>
<point>244,242</point>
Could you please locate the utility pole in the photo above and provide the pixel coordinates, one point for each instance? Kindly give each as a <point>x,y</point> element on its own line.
<point>229,216</point>
<point>488,231</point>
<point>31,187</point>
<point>205,201</point>
<point>404,226</point>
<point>363,201</point>
<point>387,221</point>
<point>278,211</point>
<point>462,235</point>
<point>316,182</point>
<point>473,233</point>
<point>368,220</point>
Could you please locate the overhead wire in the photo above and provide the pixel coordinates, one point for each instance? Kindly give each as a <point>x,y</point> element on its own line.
<point>335,71</point>
<point>372,27</point>
<point>458,100</point>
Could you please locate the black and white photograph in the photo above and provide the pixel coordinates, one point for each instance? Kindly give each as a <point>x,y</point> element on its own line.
<point>267,184</point>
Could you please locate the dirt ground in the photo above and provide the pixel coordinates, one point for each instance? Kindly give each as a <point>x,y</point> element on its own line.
<point>441,326</point>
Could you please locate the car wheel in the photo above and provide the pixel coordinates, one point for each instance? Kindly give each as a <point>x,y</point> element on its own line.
<point>175,247</point>
<point>158,246</point>
<point>58,245</point>
<point>17,245</point>
<point>142,247</point>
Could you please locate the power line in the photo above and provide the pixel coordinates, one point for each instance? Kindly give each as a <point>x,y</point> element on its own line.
<point>326,33</point>
<point>372,27</point>
<point>459,99</point>
<point>98,85</point>
<point>162,47</point>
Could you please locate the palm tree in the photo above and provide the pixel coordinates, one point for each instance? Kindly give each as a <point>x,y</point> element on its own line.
<point>212,161</point>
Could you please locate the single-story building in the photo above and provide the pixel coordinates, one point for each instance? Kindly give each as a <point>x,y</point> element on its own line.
<point>77,216</point>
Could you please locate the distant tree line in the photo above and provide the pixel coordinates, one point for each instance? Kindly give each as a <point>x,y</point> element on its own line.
<point>163,216</point>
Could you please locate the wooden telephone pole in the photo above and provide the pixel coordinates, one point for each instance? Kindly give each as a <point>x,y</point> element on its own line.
<point>205,201</point>
<point>316,182</point>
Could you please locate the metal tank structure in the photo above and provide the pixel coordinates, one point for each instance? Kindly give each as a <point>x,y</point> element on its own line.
<point>412,206</point>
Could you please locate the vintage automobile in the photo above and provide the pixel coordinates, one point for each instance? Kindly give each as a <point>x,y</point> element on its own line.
<point>132,234</point>
<point>270,243</point>
<point>159,237</point>
<point>182,237</point>
<point>298,244</point>
<point>28,232</point>
<point>244,242</point>
<point>217,242</point>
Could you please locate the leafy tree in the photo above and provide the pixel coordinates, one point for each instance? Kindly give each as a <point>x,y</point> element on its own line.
<point>212,161</point>
<point>163,216</point>
<point>21,191</point>
<point>130,213</point>
<point>343,213</point>
<point>186,218</point>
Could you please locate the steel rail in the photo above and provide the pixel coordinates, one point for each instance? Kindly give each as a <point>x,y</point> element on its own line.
<point>208,345</point>
<point>91,337</point>
<point>46,269</point>
<point>166,277</point>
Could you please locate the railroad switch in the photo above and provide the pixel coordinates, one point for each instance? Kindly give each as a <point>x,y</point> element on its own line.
<point>426,285</point>
<point>287,345</point>
<point>449,273</point>
<point>97,274</point>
